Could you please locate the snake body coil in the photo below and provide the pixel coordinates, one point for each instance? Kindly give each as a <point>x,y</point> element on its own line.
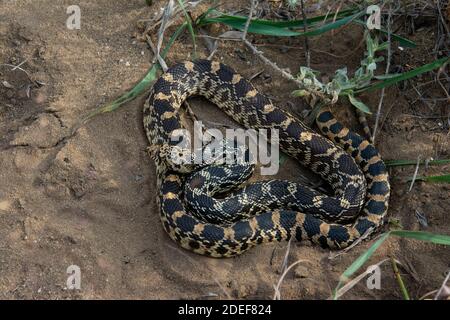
<point>355,171</point>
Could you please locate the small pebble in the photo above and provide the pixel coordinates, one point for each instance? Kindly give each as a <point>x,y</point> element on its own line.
<point>301,272</point>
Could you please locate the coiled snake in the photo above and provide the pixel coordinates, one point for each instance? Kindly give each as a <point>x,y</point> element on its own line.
<point>355,171</point>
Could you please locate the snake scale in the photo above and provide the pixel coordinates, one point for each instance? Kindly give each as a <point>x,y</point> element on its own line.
<point>347,162</point>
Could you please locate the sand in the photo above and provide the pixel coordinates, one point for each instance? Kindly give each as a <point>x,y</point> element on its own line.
<point>89,199</point>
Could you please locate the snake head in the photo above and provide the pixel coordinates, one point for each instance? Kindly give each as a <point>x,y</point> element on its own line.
<point>176,158</point>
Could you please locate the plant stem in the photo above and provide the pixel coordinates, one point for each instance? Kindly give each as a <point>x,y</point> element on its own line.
<point>400,280</point>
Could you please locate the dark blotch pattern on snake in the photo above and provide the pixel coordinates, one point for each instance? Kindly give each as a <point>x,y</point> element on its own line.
<point>350,169</point>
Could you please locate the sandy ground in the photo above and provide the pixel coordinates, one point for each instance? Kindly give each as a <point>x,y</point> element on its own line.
<point>89,200</point>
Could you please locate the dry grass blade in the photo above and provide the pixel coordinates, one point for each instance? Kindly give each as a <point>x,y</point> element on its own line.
<point>415,174</point>
<point>444,291</point>
<point>277,294</point>
<point>355,281</point>
<point>388,66</point>
<point>286,256</point>
<point>249,19</point>
<point>166,18</point>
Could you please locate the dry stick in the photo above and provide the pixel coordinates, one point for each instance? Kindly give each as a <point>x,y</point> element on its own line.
<point>386,115</point>
<point>428,294</point>
<point>169,12</point>
<point>420,97</point>
<point>249,19</point>
<point>277,294</point>
<point>444,23</point>
<point>441,69</point>
<point>286,256</point>
<point>415,174</point>
<point>284,73</point>
<point>13,68</point>
<point>156,55</point>
<point>441,290</point>
<point>388,65</point>
<point>211,45</point>
<point>167,15</point>
<point>19,65</point>
<point>204,36</point>
<point>255,51</point>
<point>157,19</point>
<point>305,28</point>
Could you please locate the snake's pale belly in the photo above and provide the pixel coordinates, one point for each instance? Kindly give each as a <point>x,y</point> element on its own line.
<point>355,170</point>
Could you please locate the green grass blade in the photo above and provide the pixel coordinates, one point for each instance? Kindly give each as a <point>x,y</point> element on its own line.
<point>406,75</point>
<point>277,28</point>
<point>400,280</point>
<point>225,18</point>
<point>386,76</point>
<point>360,261</point>
<point>257,28</point>
<point>141,87</point>
<point>433,179</point>
<point>331,26</point>
<point>359,104</point>
<point>423,236</point>
<point>398,163</point>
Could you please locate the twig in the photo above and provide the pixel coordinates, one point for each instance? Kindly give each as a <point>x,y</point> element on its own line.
<point>167,15</point>
<point>211,45</point>
<point>286,256</point>
<point>284,73</point>
<point>386,116</point>
<point>19,65</point>
<point>415,174</point>
<point>255,51</point>
<point>441,69</point>
<point>277,294</point>
<point>13,68</point>
<point>156,55</point>
<point>249,19</point>
<point>388,66</point>
<point>400,280</point>
<point>444,285</point>
<point>305,28</point>
<point>428,294</point>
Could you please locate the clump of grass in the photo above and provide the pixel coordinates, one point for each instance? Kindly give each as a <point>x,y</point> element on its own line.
<point>363,258</point>
<point>316,25</point>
